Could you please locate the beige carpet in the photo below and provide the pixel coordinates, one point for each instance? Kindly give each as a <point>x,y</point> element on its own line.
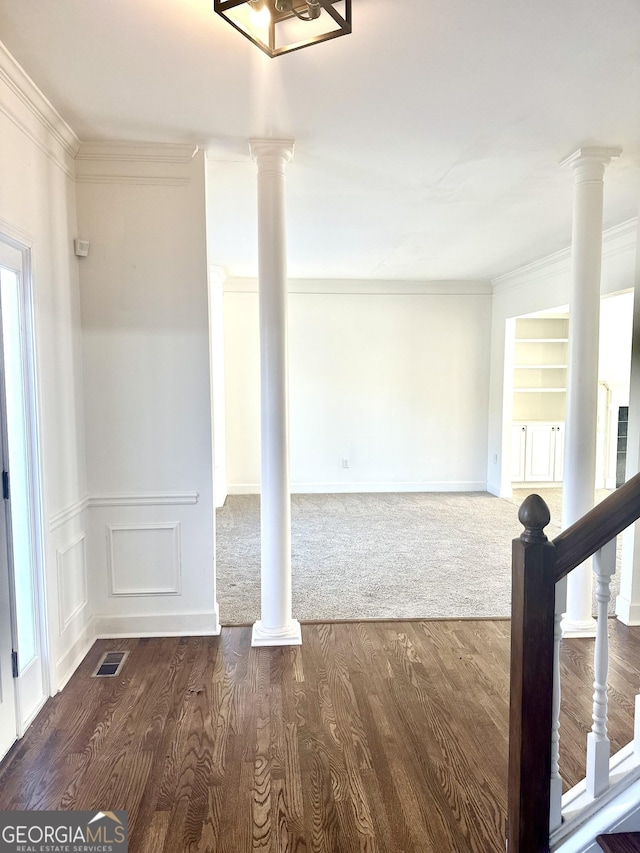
<point>379,555</point>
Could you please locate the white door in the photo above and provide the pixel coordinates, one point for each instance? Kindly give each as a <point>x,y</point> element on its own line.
<point>540,452</point>
<point>20,490</point>
<point>518,450</point>
<point>558,463</point>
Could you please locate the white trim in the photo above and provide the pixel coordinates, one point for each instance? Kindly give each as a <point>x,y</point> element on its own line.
<point>144,499</point>
<point>202,624</point>
<point>628,612</point>
<point>64,622</point>
<point>145,591</point>
<point>30,103</point>
<point>31,717</point>
<point>364,487</point>
<point>142,152</point>
<point>584,817</point>
<point>31,367</point>
<point>499,491</point>
<point>290,635</point>
<point>68,513</point>
<point>15,236</point>
<point>139,180</point>
<point>75,654</point>
<point>617,239</point>
<point>366,287</point>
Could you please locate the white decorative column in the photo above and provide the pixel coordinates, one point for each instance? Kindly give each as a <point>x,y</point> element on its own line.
<point>588,166</point>
<point>276,626</point>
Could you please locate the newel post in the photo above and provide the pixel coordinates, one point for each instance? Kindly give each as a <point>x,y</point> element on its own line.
<point>530,712</point>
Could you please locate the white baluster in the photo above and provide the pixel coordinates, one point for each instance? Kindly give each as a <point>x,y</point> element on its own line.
<point>636,727</point>
<point>555,812</point>
<point>598,748</point>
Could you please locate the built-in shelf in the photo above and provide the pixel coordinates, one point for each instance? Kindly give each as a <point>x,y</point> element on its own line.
<point>542,340</point>
<point>540,369</point>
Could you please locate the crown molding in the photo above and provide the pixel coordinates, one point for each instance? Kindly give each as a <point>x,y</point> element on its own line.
<point>618,238</point>
<point>32,113</point>
<point>141,163</point>
<point>342,287</point>
<point>138,152</point>
<point>140,180</point>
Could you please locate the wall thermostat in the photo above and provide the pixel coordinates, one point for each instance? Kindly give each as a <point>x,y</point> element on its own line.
<point>81,247</point>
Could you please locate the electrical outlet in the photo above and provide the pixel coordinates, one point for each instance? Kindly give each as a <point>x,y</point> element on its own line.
<point>345,463</point>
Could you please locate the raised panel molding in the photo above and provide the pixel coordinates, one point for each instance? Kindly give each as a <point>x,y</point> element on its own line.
<point>71,562</point>
<point>139,554</point>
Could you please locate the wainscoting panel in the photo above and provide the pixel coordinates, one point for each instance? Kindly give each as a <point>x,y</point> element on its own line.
<point>72,580</point>
<point>144,559</point>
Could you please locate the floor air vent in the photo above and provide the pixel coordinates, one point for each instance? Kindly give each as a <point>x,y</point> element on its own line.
<point>110,664</point>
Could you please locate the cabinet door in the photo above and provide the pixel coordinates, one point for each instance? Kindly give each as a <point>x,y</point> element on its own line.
<point>518,445</point>
<point>558,463</point>
<point>540,453</point>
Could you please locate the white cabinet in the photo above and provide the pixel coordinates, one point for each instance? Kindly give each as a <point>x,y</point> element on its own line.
<point>537,452</point>
<point>518,451</point>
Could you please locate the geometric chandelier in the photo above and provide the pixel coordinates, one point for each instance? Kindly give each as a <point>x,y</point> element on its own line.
<point>280,26</point>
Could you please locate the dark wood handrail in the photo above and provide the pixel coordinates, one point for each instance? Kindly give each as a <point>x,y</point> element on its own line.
<point>537,565</point>
<point>606,520</point>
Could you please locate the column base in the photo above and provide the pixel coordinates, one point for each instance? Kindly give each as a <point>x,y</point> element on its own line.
<point>578,627</point>
<point>290,635</point>
<point>627,611</point>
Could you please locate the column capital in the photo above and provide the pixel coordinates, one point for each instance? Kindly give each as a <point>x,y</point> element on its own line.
<point>593,158</point>
<point>270,149</point>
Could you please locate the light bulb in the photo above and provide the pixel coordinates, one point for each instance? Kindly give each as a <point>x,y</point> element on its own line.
<point>260,16</point>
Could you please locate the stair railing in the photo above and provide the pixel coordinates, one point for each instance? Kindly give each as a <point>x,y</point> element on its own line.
<point>539,568</point>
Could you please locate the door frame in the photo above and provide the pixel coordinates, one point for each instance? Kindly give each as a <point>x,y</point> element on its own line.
<point>24,246</point>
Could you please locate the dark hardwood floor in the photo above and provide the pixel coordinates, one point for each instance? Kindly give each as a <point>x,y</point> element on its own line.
<point>370,737</point>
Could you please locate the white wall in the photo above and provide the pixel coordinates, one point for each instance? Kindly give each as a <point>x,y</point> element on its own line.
<point>37,208</point>
<point>392,376</point>
<point>544,285</point>
<point>147,400</point>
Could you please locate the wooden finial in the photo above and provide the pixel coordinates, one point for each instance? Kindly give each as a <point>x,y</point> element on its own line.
<point>534,516</point>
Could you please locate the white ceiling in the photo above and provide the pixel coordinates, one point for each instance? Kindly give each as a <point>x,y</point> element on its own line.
<point>427,142</point>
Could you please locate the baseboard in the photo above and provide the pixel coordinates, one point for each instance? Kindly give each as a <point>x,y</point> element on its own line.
<point>628,612</point>
<point>617,810</point>
<point>73,657</point>
<point>499,491</point>
<point>203,624</point>
<point>365,487</point>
